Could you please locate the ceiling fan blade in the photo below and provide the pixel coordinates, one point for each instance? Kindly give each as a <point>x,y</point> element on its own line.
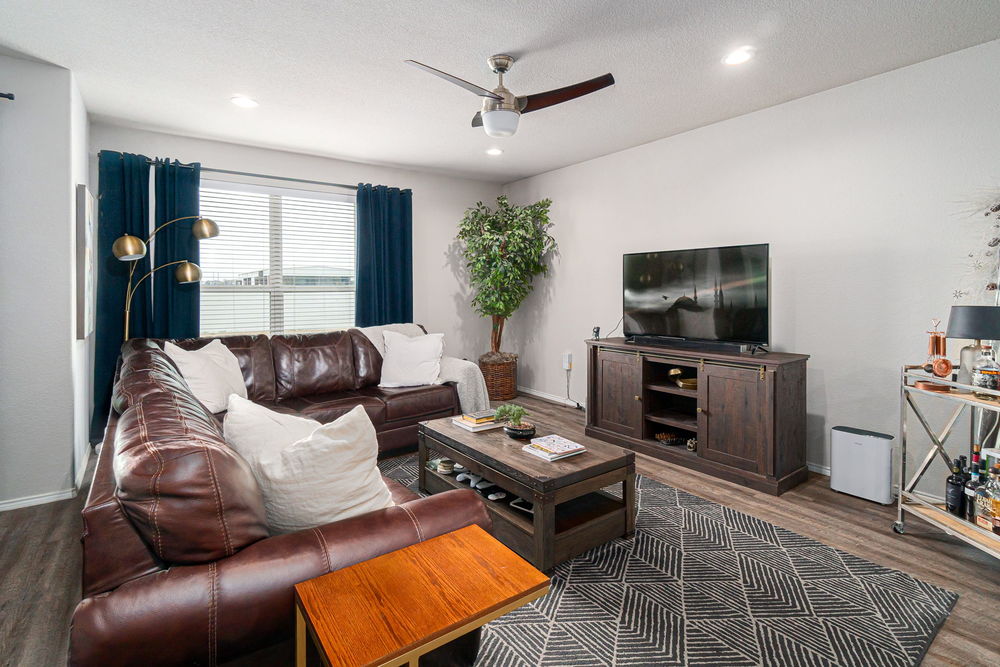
<point>471,87</point>
<point>477,120</point>
<point>559,95</point>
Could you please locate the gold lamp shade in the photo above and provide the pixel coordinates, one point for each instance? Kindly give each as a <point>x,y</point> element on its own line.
<point>128,248</point>
<point>187,272</point>
<point>205,228</point>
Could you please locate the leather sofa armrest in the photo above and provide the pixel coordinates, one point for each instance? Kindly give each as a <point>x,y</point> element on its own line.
<point>208,613</point>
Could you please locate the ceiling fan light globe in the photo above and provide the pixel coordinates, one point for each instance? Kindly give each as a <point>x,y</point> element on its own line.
<point>500,122</point>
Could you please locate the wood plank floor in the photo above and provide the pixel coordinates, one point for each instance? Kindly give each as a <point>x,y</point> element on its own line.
<point>40,557</point>
<point>39,580</point>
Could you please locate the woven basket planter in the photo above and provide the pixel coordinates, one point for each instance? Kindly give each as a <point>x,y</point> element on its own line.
<point>501,378</point>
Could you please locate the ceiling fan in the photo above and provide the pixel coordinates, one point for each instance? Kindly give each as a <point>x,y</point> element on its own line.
<point>501,108</point>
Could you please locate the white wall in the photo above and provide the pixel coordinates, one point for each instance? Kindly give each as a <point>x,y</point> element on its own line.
<point>39,133</point>
<point>438,204</point>
<point>863,193</point>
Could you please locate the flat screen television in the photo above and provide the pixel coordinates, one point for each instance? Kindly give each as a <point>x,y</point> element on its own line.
<point>704,294</point>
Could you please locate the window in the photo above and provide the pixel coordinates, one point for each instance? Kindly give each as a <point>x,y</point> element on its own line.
<point>283,262</point>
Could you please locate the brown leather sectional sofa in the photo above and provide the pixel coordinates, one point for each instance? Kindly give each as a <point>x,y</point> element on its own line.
<point>178,564</point>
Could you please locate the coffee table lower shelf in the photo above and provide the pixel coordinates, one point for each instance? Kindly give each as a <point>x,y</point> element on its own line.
<point>579,523</point>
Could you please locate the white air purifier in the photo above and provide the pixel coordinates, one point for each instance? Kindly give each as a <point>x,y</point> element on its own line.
<point>861,463</point>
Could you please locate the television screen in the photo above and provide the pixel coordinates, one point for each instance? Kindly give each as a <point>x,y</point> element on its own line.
<point>711,294</point>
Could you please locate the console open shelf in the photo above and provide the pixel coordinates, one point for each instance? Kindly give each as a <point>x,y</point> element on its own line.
<point>674,418</point>
<point>671,389</point>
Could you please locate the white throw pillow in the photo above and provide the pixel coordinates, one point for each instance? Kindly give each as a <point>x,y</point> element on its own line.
<point>212,373</point>
<point>411,361</point>
<point>326,475</point>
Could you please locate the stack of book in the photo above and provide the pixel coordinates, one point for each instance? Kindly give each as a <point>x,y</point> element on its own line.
<point>484,420</point>
<point>553,447</point>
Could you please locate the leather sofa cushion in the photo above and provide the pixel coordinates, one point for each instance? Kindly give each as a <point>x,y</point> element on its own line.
<point>327,407</point>
<point>400,494</point>
<point>190,497</point>
<point>413,402</point>
<point>367,360</point>
<point>309,364</point>
<point>143,373</point>
<point>254,355</point>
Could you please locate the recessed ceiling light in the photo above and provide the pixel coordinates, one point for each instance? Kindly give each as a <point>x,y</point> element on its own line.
<point>494,151</point>
<point>244,101</point>
<point>739,56</point>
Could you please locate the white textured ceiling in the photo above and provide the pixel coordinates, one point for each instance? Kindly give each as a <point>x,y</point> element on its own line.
<point>331,80</point>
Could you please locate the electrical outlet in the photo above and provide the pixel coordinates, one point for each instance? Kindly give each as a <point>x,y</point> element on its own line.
<point>567,361</point>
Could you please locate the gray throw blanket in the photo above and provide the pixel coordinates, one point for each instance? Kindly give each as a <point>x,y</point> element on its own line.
<point>468,379</point>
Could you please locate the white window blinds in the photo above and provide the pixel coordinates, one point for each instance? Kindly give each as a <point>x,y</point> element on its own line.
<point>282,263</point>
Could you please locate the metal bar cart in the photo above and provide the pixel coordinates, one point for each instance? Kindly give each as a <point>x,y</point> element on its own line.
<point>919,504</point>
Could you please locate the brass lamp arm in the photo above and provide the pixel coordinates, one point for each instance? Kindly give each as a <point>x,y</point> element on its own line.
<point>132,288</point>
<point>168,223</point>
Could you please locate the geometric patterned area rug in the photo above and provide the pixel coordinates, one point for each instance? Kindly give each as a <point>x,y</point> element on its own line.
<point>702,584</point>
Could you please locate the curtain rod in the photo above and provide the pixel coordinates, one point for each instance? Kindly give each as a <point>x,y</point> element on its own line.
<point>252,175</point>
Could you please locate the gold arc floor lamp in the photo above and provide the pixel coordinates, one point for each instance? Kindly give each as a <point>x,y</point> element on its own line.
<point>128,248</point>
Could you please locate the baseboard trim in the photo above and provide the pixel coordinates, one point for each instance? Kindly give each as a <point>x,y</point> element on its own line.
<point>552,398</point>
<point>817,468</point>
<point>40,499</point>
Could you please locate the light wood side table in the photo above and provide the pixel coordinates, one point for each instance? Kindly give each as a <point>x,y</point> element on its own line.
<point>390,610</point>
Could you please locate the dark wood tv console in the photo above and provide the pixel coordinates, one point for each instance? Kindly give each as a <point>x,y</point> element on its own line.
<point>748,412</point>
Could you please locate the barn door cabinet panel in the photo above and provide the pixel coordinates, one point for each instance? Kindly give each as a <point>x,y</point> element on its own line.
<point>619,398</point>
<point>747,414</point>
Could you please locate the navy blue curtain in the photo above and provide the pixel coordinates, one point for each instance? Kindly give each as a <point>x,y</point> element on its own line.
<point>384,289</point>
<point>122,208</point>
<point>175,306</point>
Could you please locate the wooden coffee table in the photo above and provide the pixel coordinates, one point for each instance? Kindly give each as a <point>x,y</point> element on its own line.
<point>571,512</point>
<point>390,610</point>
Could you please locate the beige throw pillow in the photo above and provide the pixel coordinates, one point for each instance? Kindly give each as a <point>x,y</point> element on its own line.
<point>212,373</point>
<point>309,473</point>
<point>411,361</point>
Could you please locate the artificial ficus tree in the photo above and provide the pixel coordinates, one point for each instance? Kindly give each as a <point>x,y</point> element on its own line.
<point>504,249</point>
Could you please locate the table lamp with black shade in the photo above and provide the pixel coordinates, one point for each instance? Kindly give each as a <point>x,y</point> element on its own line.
<point>977,323</point>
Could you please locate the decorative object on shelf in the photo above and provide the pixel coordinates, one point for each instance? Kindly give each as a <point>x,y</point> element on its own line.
<point>692,444</point>
<point>687,383</point>
<point>504,249</point>
<point>937,361</point>
<point>515,427</point>
<point>670,438</point>
<point>682,382</point>
<point>446,467</point>
<point>986,374</point>
<point>128,248</point>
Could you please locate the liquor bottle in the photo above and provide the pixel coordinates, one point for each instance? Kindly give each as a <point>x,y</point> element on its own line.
<point>995,497</point>
<point>963,463</point>
<point>986,373</point>
<point>970,495</point>
<point>954,494</point>
<point>984,502</point>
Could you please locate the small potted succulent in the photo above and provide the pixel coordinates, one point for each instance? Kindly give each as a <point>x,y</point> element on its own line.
<point>515,427</point>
